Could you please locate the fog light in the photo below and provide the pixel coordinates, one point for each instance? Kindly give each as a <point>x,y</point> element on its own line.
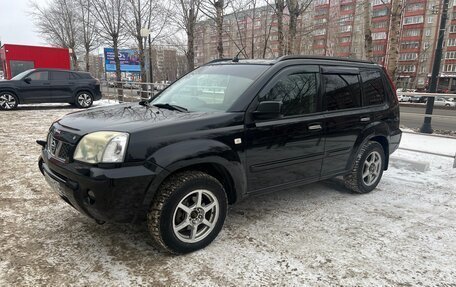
<point>90,197</point>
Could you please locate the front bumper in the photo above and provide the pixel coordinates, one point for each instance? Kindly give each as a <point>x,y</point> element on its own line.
<point>117,194</point>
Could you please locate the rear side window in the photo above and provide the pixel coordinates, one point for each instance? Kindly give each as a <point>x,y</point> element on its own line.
<point>341,91</point>
<point>84,75</point>
<point>373,90</point>
<point>298,93</point>
<point>74,76</point>
<point>60,76</point>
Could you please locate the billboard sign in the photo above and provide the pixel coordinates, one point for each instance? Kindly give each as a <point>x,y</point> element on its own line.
<point>129,60</point>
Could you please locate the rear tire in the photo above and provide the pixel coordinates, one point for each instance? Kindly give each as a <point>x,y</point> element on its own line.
<point>83,100</point>
<point>367,168</point>
<point>187,212</point>
<point>8,101</point>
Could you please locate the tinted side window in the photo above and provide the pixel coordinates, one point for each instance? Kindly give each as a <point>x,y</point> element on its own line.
<point>298,93</point>
<point>39,76</point>
<point>84,75</point>
<point>342,92</point>
<point>60,76</point>
<point>374,93</point>
<point>74,76</point>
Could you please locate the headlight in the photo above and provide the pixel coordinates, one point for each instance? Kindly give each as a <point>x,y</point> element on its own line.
<point>102,147</point>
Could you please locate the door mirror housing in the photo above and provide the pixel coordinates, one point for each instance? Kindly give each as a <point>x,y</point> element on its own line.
<point>27,80</point>
<point>268,110</point>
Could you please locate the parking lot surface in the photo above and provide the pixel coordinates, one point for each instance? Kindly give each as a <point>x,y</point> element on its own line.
<point>401,234</point>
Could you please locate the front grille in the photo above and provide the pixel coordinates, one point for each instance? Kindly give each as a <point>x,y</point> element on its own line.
<point>59,149</point>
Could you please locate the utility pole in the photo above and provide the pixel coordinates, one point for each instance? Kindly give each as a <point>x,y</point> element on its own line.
<point>151,71</point>
<point>426,127</point>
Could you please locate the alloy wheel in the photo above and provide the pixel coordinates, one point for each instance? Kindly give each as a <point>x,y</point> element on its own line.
<point>7,101</point>
<point>371,168</point>
<point>84,100</point>
<point>196,216</point>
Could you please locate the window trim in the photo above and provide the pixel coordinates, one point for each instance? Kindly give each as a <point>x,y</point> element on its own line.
<point>363,104</point>
<point>310,68</point>
<point>339,70</point>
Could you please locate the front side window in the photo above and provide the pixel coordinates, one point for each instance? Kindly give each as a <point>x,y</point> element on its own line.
<point>39,76</point>
<point>297,92</point>
<point>374,93</point>
<point>341,91</point>
<point>211,88</point>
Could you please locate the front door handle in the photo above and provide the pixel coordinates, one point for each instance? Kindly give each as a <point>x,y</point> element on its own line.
<point>314,127</point>
<point>365,119</point>
<point>46,84</point>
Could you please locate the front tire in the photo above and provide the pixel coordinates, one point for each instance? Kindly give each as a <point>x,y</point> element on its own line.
<point>367,169</point>
<point>187,212</point>
<point>8,101</point>
<point>83,100</point>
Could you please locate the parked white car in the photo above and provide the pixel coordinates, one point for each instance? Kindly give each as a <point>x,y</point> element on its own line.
<point>444,102</point>
<point>402,98</point>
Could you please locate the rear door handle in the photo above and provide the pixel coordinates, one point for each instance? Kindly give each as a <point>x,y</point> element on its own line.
<point>46,84</point>
<point>365,119</point>
<point>314,127</point>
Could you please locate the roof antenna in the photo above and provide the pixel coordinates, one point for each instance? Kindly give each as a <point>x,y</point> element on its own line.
<point>236,58</point>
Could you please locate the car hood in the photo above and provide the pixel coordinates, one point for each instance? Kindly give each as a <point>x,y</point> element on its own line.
<point>128,117</point>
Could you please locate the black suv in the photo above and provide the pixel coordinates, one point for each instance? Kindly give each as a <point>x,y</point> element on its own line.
<point>49,86</point>
<point>228,130</point>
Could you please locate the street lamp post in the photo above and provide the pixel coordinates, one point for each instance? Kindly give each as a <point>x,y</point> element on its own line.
<point>145,34</point>
<point>426,127</point>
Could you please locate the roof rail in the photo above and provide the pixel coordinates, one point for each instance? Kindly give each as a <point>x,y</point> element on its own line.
<point>219,60</point>
<point>294,57</point>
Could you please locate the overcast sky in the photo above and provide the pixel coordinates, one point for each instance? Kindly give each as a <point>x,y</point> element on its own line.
<point>16,25</point>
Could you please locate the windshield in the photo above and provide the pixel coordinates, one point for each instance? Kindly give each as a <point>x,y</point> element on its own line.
<point>211,88</point>
<point>21,75</point>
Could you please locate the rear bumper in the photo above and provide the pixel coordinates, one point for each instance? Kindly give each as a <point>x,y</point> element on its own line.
<point>395,140</point>
<point>114,194</point>
<point>97,96</point>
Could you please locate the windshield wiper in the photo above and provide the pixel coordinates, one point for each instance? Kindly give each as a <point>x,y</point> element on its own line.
<point>144,103</point>
<point>171,107</point>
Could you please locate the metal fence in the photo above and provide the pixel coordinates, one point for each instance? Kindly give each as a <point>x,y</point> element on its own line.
<point>130,91</point>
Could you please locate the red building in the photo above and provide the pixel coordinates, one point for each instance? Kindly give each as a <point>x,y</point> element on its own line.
<point>18,58</point>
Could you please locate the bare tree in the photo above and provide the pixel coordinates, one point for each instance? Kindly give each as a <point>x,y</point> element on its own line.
<point>108,14</point>
<point>279,9</point>
<point>238,36</point>
<point>87,30</point>
<point>148,14</point>
<point>367,30</point>
<point>185,17</point>
<point>58,24</point>
<point>215,10</point>
<point>393,35</point>
<point>295,8</point>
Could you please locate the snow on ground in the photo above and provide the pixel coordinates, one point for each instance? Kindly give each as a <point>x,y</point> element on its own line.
<point>403,233</point>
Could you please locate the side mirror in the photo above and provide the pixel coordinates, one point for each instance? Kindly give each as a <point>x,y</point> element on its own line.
<point>268,110</point>
<point>27,80</point>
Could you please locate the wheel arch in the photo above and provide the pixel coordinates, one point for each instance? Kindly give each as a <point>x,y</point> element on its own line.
<point>13,91</point>
<point>209,156</point>
<point>80,90</point>
<point>378,132</point>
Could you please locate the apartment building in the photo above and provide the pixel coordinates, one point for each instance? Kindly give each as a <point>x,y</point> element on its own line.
<point>337,28</point>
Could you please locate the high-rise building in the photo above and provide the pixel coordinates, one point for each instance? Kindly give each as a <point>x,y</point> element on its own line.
<point>337,28</point>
